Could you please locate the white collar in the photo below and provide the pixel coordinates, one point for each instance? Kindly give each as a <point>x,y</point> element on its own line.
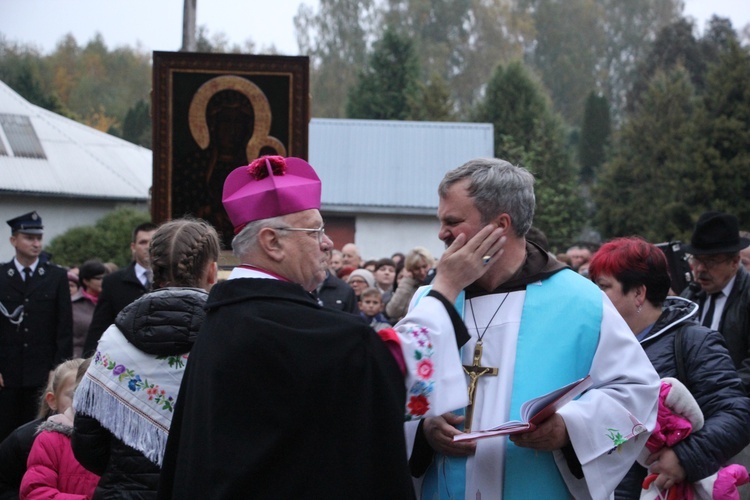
<point>20,266</point>
<point>728,287</point>
<point>242,272</point>
<point>140,270</point>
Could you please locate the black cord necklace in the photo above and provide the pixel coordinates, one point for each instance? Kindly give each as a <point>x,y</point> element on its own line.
<point>474,318</point>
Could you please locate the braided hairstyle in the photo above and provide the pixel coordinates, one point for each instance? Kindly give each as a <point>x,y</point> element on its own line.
<point>181,250</point>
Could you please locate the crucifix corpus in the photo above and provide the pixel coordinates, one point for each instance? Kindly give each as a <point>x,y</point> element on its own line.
<point>474,371</point>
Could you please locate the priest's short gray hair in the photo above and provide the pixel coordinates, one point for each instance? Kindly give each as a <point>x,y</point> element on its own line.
<point>247,239</point>
<point>497,187</point>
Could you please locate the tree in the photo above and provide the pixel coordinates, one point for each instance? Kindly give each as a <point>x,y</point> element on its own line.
<point>434,101</point>
<point>583,45</point>
<point>335,37</point>
<point>569,39</point>
<point>136,127</point>
<point>594,137</point>
<point>675,45</point>
<point>387,88</point>
<point>22,69</point>
<point>109,239</point>
<point>657,182</point>
<point>529,133</point>
<point>727,102</point>
<point>629,30</point>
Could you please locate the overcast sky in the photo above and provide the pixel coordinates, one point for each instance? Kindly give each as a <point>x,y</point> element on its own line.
<point>157,24</point>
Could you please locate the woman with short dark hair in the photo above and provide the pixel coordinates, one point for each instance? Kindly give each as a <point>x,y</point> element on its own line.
<point>90,276</point>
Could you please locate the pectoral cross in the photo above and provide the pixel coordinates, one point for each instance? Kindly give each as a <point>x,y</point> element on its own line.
<point>474,371</point>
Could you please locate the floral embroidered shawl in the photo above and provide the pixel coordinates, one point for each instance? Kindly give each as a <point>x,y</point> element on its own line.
<point>131,393</point>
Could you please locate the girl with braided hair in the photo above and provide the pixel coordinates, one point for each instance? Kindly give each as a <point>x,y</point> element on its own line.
<point>124,403</point>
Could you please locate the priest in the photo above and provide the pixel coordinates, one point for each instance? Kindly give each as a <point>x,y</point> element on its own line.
<point>534,326</point>
<point>282,398</point>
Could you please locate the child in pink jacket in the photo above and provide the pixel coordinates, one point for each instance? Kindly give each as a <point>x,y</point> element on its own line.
<point>679,415</point>
<point>52,469</point>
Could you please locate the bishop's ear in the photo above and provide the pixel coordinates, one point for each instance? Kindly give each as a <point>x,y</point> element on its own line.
<point>270,241</point>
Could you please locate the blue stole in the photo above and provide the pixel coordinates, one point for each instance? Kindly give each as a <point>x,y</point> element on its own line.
<point>557,340</point>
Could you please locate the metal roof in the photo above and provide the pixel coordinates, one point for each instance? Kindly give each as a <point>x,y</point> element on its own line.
<point>383,166</point>
<point>76,160</point>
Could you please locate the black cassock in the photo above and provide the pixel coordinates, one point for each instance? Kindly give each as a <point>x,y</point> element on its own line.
<point>284,399</point>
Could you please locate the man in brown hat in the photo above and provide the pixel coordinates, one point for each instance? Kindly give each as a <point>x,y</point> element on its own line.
<point>722,286</point>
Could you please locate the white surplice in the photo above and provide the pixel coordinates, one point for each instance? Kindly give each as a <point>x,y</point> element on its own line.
<point>624,395</point>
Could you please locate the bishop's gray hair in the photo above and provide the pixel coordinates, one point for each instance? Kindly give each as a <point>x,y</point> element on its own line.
<point>247,239</point>
<point>497,187</point>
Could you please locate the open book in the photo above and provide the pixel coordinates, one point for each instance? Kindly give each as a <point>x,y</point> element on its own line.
<point>534,411</point>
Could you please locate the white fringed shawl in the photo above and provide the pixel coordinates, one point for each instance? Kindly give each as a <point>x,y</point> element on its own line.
<point>131,393</point>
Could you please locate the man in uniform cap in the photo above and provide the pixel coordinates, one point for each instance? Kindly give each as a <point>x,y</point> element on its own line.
<point>283,398</point>
<point>36,323</point>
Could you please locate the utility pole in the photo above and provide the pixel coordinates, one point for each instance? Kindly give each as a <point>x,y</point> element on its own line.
<point>188,26</point>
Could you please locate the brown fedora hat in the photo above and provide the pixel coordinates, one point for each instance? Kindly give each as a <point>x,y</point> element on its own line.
<point>716,232</point>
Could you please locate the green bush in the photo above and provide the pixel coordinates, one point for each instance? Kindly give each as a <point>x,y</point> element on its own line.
<point>108,240</point>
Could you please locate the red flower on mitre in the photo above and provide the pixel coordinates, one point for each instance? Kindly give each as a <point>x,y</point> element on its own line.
<point>258,169</point>
<point>418,405</point>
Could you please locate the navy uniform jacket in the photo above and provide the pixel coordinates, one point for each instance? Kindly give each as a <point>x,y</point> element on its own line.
<point>45,336</point>
<point>118,290</point>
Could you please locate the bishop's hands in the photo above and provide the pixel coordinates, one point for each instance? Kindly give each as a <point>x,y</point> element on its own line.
<point>439,432</point>
<point>552,434</point>
<point>463,262</point>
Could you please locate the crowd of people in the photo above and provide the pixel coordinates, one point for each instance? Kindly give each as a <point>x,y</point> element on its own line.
<point>313,373</point>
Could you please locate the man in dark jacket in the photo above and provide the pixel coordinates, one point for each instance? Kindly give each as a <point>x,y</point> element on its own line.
<point>722,286</point>
<point>722,289</point>
<point>36,323</point>
<point>335,293</point>
<point>122,287</point>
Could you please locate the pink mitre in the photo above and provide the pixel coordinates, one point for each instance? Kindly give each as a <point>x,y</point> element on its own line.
<point>269,187</point>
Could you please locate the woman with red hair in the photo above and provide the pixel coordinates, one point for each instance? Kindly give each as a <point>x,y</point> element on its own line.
<point>634,275</point>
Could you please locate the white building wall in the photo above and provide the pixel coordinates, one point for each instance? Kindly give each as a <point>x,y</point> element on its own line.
<point>380,236</point>
<point>58,215</point>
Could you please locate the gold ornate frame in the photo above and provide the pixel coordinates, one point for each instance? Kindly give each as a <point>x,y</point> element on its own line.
<point>214,112</point>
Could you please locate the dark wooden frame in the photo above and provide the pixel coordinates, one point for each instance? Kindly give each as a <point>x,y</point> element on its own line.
<point>175,76</point>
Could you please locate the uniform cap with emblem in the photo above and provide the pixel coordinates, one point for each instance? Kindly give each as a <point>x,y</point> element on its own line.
<point>29,223</point>
<point>270,186</point>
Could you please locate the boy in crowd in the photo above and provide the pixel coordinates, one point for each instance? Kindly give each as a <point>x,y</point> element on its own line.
<point>371,307</point>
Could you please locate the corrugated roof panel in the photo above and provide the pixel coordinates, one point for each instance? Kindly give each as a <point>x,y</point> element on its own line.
<point>397,163</point>
<point>81,161</point>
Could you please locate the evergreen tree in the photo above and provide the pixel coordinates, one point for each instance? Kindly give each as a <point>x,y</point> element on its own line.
<point>675,45</point>
<point>529,133</point>
<point>727,101</point>
<point>594,138</point>
<point>136,127</point>
<point>657,182</point>
<point>434,101</point>
<point>387,87</point>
